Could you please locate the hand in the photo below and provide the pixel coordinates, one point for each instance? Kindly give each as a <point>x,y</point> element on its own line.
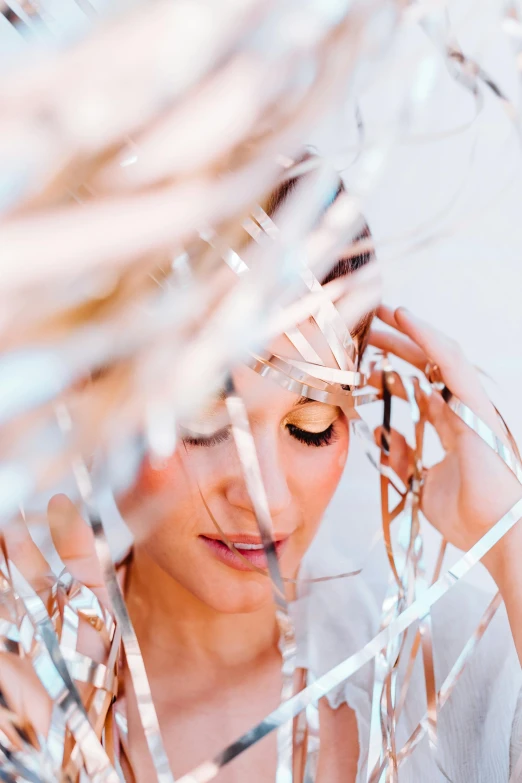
<point>471,488</point>
<point>74,543</point>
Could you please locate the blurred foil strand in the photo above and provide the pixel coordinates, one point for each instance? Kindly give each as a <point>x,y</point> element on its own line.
<point>392,632</point>
<point>109,176</point>
<point>246,450</point>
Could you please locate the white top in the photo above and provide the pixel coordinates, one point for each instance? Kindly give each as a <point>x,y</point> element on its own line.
<point>479,728</point>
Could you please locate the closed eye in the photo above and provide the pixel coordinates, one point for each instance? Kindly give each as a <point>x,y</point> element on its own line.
<point>324,438</point>
<point>220,436</point>
<point>317,439</point>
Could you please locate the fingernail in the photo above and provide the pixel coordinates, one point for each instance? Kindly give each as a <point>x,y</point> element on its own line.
<point>59,508</point>
<point>403,312</point>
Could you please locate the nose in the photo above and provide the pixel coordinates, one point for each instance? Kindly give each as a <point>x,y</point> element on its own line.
<point>273,473</point>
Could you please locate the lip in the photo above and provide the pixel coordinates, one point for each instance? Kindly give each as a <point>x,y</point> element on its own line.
<point>255,557</point>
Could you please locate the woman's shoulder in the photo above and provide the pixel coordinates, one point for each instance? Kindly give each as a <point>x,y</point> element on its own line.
<point>338,618</point>
<point>476,723</point>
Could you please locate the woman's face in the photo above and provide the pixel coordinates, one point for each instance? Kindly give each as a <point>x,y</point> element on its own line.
<point>301,446</point>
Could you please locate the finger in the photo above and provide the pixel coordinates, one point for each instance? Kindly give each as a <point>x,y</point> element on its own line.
<point>401,454</point>
<point>24,553</point>
<point>400,346</point>
<point>24,693</point>
<point>445,423</point>
<point>386,314</point>
<point>459,375</point>
<point>12,726</point>
<point>74,542</point>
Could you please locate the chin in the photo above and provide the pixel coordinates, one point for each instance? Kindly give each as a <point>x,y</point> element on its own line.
<point>248,593</point>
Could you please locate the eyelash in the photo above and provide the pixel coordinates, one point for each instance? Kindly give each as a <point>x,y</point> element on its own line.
<point>211,440</point>
<point>317,439</point>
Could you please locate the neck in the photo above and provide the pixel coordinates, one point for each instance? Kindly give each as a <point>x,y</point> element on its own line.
<point>173,626</point>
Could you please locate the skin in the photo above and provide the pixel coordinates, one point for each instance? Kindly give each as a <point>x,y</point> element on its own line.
<point>207,631</point>
<point>299,480</point>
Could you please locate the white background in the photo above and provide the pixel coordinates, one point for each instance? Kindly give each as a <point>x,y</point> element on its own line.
<point>464,193</point>
<point>461,193</point>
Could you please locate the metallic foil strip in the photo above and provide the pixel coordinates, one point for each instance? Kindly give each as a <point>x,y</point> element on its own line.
<point>509,435</point>
<point>146,709</point>
<point>427,649</point>
<point>9,629</point>
<point>239,267</point>
<point>54,744</point>
<point>234,261</point>
<point>55,741</point>
<point>27,765</point>
<point>252,473</point>
<point>327,317</point>
<point>258,233</point>
<point>362,431</point>
<point>246,450</point>
<point>300,733</point>
<point>313,743</point>
<point>287,580</point>
<point>84,669</point>
<point>387,378</point>
<point>79,601</point>
<point>417,640</point>
<point>285,734</point>
<point>297,382</point>
<point>382,727</point>
<point>344,670</point>
<point>88,9</point>
<point>459,665</point>
<point>332,325</point>
<point>423,638</point>
<point>14,19</point>
<point>383,713</point>
<point>425,626</point>
<point>327,374</point>
<point>426,637</point>
<point>506,454</point>
<point>452,678</point>
<point>302,345</point>
<point>54,675</point>
<point>464,70</point>
<point>306,737</point>
<point>296,374</point>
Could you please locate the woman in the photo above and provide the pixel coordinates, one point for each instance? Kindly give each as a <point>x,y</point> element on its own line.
<point>204,614</point>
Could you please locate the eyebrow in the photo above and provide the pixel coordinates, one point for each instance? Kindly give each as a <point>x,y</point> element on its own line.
<point>221,395</point>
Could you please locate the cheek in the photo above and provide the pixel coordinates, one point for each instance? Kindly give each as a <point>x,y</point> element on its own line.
<point>180,475</point>
<point>169,493</point>
<point>153,479</point>
<point>162,500</point>
<point>318,473</point>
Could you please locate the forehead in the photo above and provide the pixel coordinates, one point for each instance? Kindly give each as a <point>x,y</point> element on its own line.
<point>258,391</point>
<point>254,388</point>
<point>284,348</point>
